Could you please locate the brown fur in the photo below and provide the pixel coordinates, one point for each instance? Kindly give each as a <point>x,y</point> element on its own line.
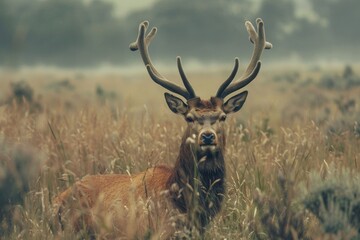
<point>123,201</point>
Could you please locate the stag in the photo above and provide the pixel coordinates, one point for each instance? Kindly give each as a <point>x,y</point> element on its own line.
<point>163,201</point>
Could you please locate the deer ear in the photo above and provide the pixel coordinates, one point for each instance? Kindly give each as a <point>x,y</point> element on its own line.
<point>235,103</point>
<point>175,104</point>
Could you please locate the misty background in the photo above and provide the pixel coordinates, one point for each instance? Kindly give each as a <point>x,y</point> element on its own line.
<point>88,33</point>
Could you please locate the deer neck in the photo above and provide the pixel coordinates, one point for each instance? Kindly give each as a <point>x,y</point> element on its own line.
<point>205,176</point>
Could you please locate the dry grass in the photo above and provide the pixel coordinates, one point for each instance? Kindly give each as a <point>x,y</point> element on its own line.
<point>279,138</point>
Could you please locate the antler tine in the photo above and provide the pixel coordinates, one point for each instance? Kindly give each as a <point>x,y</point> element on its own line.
<point>229,80</point>
<point>142,44</point>
<point>259,40</point>
<point>243,82</point>
<point>184,78</point>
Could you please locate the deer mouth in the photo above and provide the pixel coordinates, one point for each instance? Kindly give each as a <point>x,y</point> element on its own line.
<point>208,148</point>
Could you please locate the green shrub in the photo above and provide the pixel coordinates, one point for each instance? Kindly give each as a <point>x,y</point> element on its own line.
<point>281,216</point>
<point>19,168</point>
<point>335,201</point>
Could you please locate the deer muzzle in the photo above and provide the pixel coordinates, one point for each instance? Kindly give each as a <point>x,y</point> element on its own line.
<point>207,138</point>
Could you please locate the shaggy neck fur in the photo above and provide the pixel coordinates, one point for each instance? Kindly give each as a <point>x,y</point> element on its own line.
<point>202,174</point>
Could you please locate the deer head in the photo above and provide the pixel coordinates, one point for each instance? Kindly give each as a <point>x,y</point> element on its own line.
<point>205,118</point>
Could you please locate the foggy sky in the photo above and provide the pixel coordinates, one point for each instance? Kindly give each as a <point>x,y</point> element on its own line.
<point>124,7</point>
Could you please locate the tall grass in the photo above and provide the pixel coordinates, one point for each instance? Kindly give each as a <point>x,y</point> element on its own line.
<point>271,156</point>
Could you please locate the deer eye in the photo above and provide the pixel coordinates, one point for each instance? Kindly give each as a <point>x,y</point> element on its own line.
<point>189,119</point>
<point>222,118</point>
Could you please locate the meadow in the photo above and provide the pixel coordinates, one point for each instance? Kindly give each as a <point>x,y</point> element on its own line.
<point>292,152</point>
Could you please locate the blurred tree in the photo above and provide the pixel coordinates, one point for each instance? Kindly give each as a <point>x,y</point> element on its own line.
<point>279,16</point>
<point>309,40</point>
<point>106,35</point>
<point>342,17</point>
<point>68,33</point>
<point>56,27</point>
<point>6,27</point>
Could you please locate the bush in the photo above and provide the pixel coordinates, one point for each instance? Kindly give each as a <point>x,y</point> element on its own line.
<point>19,167</point>
<point>348,79</point>
<point>64,84</point>
<point>21,91</point>
<point>335,201</point>
<point>23,95</point>
<point>104,95</point>
<point>280,215</point>
<point>329,82</point>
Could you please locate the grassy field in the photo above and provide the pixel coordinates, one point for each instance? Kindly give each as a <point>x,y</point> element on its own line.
<point>292,154</point>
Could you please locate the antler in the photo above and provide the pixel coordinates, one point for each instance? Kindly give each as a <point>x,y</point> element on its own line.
<point>142,44</point>
<point>260,43</point>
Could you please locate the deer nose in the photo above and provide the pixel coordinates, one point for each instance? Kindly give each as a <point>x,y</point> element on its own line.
<point>207,138</point>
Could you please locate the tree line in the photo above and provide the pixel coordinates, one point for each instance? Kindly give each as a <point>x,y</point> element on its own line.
<point>77,33</point>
